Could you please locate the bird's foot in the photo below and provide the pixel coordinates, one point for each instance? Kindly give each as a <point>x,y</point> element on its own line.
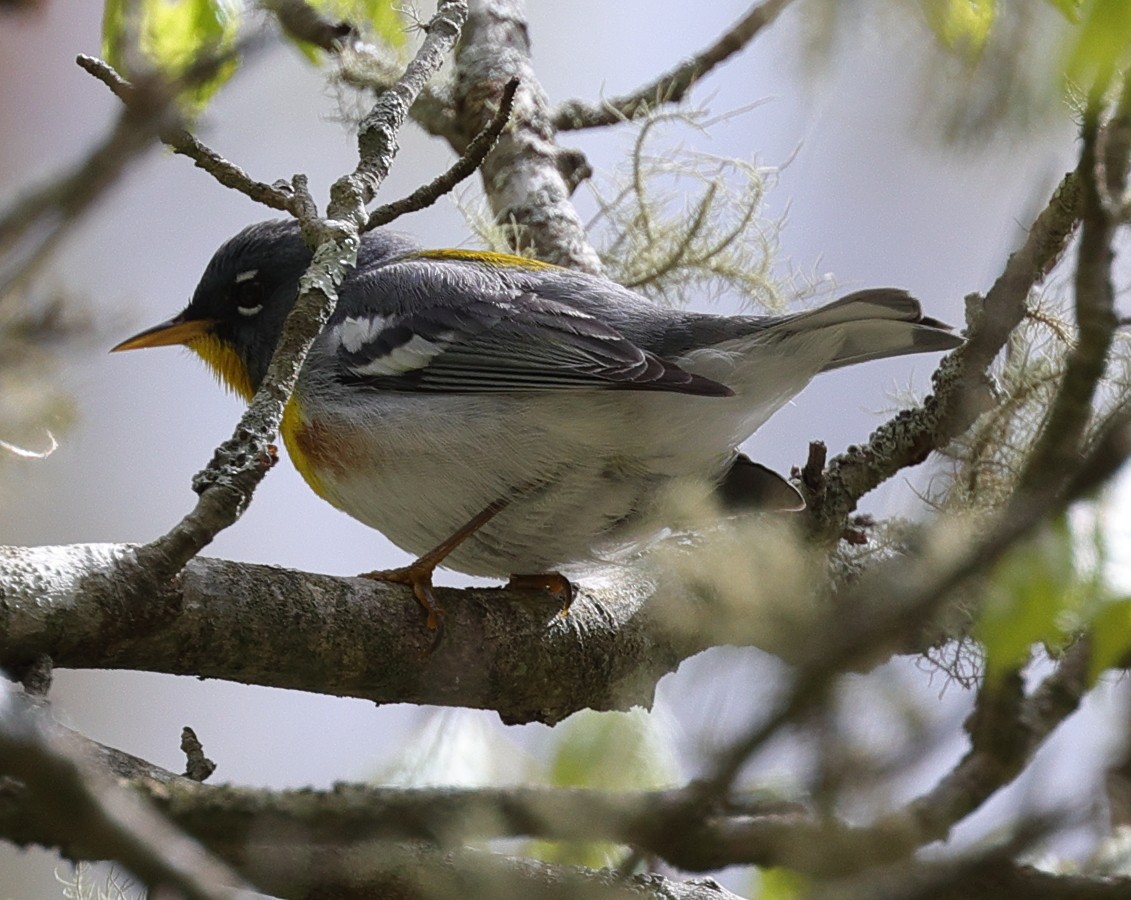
<point>554,582</point>
<point>418,576</point>
<point>418,573</point>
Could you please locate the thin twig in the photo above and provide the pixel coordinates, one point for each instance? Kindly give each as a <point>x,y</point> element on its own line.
<point>198,767</point>
<point>376,136</point>
<point>277,196</point>
<point>672,86</point>
<point>468,162</point>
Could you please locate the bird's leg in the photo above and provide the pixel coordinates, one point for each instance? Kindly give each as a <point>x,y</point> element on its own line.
<point>554,582</point>
<point>418,573</point>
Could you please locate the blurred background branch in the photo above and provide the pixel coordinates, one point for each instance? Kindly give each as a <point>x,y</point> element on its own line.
<point>1003,568</point>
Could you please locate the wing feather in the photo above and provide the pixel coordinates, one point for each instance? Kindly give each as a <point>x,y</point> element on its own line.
<point>506,341</point>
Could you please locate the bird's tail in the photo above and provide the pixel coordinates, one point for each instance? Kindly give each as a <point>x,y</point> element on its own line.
<point>874,324</point>
<point>771,360</point>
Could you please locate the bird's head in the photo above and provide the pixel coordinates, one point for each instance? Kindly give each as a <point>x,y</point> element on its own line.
<point>236,314</point>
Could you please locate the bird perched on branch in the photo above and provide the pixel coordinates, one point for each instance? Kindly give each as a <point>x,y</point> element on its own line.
<point>503,416</point>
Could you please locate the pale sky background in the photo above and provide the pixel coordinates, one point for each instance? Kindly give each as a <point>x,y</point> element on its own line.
<point>871,200</point>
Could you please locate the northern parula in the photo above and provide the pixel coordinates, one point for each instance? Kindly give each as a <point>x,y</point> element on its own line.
<point>502,415</point>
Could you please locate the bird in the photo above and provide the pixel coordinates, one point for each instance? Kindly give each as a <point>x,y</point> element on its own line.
<point>503,416</point>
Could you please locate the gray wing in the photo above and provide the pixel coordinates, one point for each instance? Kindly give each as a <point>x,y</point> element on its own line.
<point>432,328</point>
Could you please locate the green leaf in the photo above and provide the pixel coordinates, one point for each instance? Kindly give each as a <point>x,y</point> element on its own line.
<point>1070,9</point>
<point>1034,597</point>
<point>1111,637</point>
<point>613,751</point>
<point>782,884</point>
<point>963,26</point>
<point>1104,40</point>
<point>172,35</point>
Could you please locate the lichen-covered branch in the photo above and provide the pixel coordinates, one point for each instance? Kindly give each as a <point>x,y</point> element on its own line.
<point>528,178</point>
<point>961,391</point>
<point>377,133</point>
<point>346,636</point>
<point>960,383</point>
<point>469,161</point>
<point>1057,450</point>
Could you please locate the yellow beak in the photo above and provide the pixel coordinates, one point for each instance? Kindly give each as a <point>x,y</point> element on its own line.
<point>175,331</point>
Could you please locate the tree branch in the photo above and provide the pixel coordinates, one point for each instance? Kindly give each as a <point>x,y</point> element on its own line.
<point>996,878</point>
<point>991,873</point>
<point>232,821</point>
<point>1004,739</point>
<point>893,605</point>
<point>471,159</point>
<point>59,794</point>
<point>1057,450</point>
<point>242,824</point>
<point>276,196</point>
<point>290,843</point>
<point>672,86</point>
<point>419,872</point>
<point>347,636</point>
<point>527,177</point>
<point>960,382</point>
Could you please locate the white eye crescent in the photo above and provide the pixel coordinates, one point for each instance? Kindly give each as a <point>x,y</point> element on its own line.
<point>247,278</point>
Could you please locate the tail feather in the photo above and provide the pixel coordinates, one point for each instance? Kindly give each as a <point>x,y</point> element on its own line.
<point>748,486</point>
<point>771,359</point>
<point>873,303</point>
<point>875,324</point>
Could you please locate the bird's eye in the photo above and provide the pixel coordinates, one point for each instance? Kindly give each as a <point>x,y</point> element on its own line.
<point>247,292</point>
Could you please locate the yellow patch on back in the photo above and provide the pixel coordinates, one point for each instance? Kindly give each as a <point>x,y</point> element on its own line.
<point>225,364</point>
<point>500,260</point>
